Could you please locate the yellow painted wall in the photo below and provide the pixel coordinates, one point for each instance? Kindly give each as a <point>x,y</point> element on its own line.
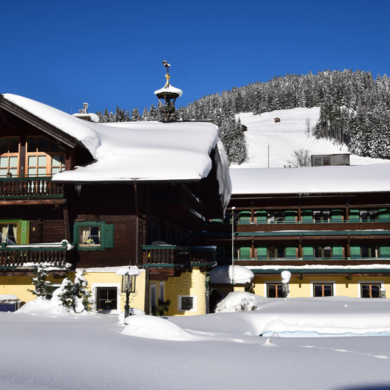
<point>303,288</point>
<point>19,285</point>
<point>188,283</point>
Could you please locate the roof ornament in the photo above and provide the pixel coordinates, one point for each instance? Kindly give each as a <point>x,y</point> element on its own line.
<point>169,94</point>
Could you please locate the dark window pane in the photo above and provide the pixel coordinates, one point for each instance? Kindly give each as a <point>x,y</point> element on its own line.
<point>375,291</point>
<point>43,144</point>
<point>54,147</point>
<point>271,252</point>
<point>317,251</point>
<point>318,290</point>
<point>271,291</point>
<point>31,144</point>
<point>327,251</point>
<point>14,145</point>
<point>280,291</point>
<point>3,145</point>
<point>280,253</point>
<point>187,303</point>
<point>365,251</point>
<point>112,294</point>
<point>326,161</point>
<point>328,290</point>
<point>365,291</point>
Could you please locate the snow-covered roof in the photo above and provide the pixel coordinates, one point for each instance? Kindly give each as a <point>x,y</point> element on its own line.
<point>145,151</point>
<point>224,275</point>
<point>169,89</point>
<point>328,179</point>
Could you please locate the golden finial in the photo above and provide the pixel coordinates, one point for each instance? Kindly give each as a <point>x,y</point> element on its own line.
<point>167,76</point>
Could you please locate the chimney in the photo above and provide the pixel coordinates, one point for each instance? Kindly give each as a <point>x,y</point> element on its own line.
<point>85,107</point>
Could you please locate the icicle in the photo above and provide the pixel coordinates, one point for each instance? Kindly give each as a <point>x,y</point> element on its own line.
<point>78,189</point>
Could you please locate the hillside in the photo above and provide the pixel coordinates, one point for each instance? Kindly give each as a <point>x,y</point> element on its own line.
<point>287,136</point>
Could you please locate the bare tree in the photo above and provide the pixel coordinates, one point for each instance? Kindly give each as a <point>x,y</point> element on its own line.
<point>300,158</point>
<point>308,125</point>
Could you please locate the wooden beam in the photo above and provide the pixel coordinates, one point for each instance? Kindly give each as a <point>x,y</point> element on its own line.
<point>31,202</point>
<point>66,222</point>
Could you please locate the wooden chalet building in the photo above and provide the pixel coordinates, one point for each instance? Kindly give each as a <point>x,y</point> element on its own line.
<point>329,226</point>
<point>78,194</point>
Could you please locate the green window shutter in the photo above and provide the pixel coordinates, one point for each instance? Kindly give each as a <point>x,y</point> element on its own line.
<point>245,253</point>
<point>308,252</point>
<point>25,233</point>
<point>337,252</point>
<point>262,252</point>
<point>307,216</point>
<point>336,215</point>
<point>384,251</point>
<point>354,215</point>
<point>355,251</point>
<point>244,218</point>
<point>289,216</point>
<point>108,236</point>
<point>291,252</point>
<point>262,216</point>
<point>217,221</point>
<point>383,215</point>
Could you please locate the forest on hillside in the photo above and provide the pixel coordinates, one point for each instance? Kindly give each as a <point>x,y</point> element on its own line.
<point>354,109</point>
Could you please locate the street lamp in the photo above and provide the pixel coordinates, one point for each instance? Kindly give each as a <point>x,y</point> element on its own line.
<point>383,292</point>
<point>286,277</point>
<point>128,283</point>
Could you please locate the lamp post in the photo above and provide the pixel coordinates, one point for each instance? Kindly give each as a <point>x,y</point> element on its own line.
<point>128,284</point>
<point>286,277</point>
<point>233,208</point>
<point>383,292</point>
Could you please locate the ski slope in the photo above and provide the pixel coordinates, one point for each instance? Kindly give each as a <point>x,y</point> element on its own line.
<point>286,136</point>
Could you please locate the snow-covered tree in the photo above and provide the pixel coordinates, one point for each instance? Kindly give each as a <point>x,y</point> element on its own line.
<point>43,288</point>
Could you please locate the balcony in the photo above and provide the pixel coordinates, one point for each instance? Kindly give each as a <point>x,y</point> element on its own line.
<point>30,187</point>
<point>47,255</point>
<point>173,255</point>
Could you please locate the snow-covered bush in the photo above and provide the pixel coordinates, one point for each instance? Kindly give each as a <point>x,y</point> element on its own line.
<point>74,295</point>
<point>240,301</point>
<point>42,288</point>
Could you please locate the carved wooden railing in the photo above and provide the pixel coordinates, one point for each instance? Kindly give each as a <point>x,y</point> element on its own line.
<point>31,256</point>
<point>177,255</point>
<point>30,187</point>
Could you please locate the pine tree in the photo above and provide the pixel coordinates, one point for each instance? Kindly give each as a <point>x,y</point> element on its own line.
<point>42,288</point>
<point>135,115</point>
<point>145,115</point>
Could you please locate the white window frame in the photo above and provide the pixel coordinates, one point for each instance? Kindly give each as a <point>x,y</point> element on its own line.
<point>313,282</point>
<point>360,282</point>
<point>94,288</point>
<point>152,287</point>
<point>194,308</point>
<point>162,289</point>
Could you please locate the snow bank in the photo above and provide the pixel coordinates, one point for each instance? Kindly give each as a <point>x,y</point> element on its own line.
<point>329,179</point>
<point>6,297</point>
<point>240,301</point>
<point>155,328</point>
<point>41,306</point>
<point>223,275</point>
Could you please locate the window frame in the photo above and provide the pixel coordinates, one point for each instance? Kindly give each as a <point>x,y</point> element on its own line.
<point>49,158</point>
<point>103,244</point>
<point>360,282</point>
<point>194,303</point>
<point>9,154</point>
<point>94,288</point>
<point>323,289</point>
<point>106,288</point>
<point>19,230</point>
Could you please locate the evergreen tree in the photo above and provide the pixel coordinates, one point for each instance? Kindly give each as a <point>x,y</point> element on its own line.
<point>145,115</point>
<point>135,115</point>
<point>42,288</point>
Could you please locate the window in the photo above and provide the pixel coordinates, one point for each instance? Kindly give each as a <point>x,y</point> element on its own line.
<point>321,216</point>
<point>107,298</point>
<point>89,235</point>
<point>327,252</point>
<point>187,303</point>
<point>323,290</point>
<point>93,235</point>
<point>162,291</point>
<point>44,157</point>
<point>369,290</point>
<point>317,251</point>
<point>275,290</point>
<point>9,233</point>
<point>245,218</point>
<point>9,156</point>
<point>153,297</point>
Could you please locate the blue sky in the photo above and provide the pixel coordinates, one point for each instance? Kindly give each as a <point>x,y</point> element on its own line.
<point>110,53</point>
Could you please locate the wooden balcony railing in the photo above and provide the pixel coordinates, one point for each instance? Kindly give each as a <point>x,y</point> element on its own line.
<point>13,256</point>
<point>177,255</point>
<point>30,187</point>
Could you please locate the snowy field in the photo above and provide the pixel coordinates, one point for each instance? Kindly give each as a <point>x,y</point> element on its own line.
<point>286,136</point>
<point>220,351</point>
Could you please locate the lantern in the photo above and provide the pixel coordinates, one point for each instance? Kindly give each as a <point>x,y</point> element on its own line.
<point>128,284</point>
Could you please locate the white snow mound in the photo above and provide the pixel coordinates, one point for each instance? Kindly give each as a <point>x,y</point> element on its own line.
<point>240,301</point>
<point>224,275</point>
<point>155,328</point>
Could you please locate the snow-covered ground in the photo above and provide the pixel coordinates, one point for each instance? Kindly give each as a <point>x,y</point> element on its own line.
<point>215,351</point>
<point>286,136</point>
